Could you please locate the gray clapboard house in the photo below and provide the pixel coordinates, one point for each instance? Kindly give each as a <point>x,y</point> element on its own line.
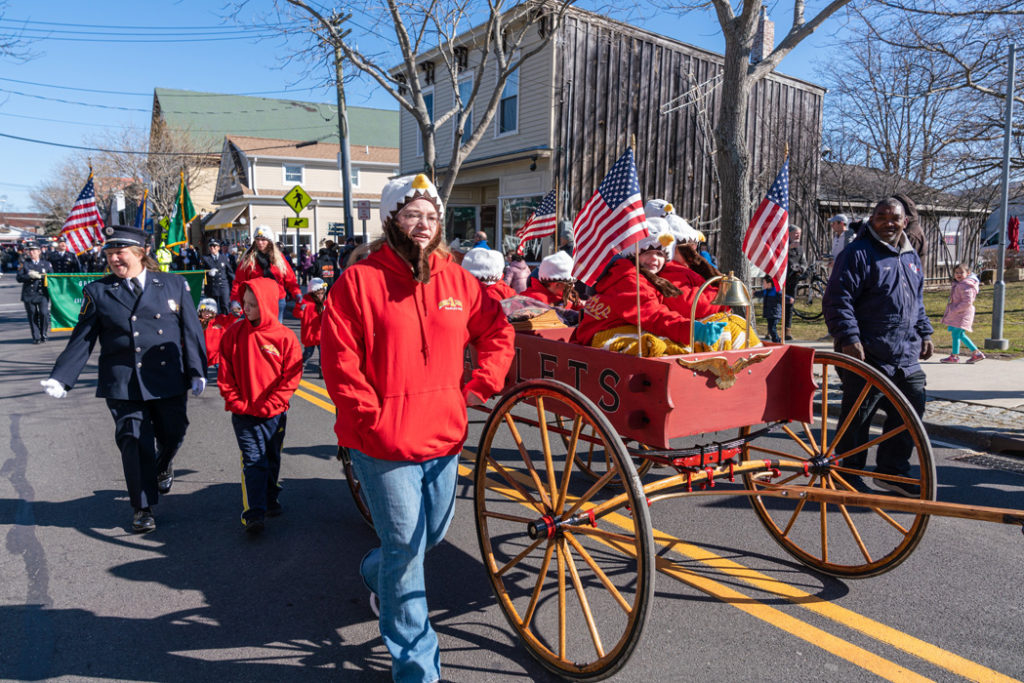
<point>569,113</point>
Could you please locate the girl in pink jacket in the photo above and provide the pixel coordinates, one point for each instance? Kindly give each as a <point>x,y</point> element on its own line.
<point>959,316</point>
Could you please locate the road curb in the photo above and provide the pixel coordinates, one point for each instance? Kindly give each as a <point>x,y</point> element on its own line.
<point>976,438</point>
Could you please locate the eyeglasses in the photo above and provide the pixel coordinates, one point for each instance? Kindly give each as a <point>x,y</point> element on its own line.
<point>414,217</point>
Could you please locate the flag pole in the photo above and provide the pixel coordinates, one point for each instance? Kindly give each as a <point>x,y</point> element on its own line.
<point>639,325</point>
<point>557,214</point>
<point>785,285</point>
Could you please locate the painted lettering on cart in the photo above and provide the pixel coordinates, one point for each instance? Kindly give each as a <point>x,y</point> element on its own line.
<point>548,364</point>
<point>608,381</point>
<point>577,367</point>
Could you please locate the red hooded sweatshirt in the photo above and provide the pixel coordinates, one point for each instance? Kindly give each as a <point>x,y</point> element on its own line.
<point>306,311</point>
<point>497,291</point>
<point>261,364</point>
<point>689,281</point>
<point>213,333</point>
<point>538,291</point>
<point>286,283</point>
<point>614,305</point>
<point>392,353</point>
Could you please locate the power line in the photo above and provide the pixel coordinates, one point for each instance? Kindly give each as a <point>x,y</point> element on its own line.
<point>150,93</point>
<point>154,40</point>
<point>134,151</point>
<point>132,27</point>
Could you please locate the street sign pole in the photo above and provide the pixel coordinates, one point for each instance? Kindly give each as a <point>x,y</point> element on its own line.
<point>999,290</point>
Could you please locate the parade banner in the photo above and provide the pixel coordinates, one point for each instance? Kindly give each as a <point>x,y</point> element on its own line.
<point>66,295</point>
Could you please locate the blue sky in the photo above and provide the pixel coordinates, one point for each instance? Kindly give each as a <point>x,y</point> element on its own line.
<point>106,61</point>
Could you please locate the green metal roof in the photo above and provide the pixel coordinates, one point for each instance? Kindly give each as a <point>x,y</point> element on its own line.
<point>208,117</point>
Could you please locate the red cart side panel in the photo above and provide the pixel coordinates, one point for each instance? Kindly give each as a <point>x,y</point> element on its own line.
<point>654,400</point>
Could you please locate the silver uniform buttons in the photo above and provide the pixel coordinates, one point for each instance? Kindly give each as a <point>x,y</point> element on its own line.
<point>160,332</point>
<point>134,318</point>
<point>136,334</point>
<point>138,365</point>
<point>138,349</point>
<point>157,315</point>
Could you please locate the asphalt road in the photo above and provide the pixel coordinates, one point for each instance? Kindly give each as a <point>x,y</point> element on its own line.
<point>198,600</point>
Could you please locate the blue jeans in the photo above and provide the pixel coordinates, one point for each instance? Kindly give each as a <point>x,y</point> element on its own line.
<point>281,304</point>
<point>412,506</point>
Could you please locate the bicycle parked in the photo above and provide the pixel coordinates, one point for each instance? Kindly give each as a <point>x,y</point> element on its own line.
<point>810,289</point>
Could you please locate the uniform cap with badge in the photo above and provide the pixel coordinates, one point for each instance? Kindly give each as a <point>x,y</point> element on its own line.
<point>120,236</point>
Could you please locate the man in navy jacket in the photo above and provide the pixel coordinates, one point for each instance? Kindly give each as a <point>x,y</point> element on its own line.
<point>874,309</point>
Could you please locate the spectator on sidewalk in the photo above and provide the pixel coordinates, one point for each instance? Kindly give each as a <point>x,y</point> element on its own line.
<point>874,309</point>
<point>959,315</point>
<point>517,273</point>
<point>841,237</point>
<point>796,268</point>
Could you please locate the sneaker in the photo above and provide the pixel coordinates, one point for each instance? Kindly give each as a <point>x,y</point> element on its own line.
<point>855,481</point>
<point>254,526</point>
<point>950,359</point>
<point>901,488</point>
<point>975,357</point>
<point>143,522</point>
<point>375,605</point>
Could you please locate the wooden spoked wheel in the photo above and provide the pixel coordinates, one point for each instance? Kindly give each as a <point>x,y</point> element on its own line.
<point>575,586</point>
<point>593,460</point>
<point>848,540</point>
<point>354,486</point>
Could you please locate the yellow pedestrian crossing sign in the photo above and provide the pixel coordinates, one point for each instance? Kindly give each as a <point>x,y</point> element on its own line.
<point>297,198</point>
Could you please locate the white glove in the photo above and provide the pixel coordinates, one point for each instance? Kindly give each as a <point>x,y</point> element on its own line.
<point>54,388</point>
<point>212,272</point>
<point>35,275</point>
<point>198,384</point>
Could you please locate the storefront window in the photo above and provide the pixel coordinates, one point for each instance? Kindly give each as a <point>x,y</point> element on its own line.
<point>461,222</point>
<point>514,213</point>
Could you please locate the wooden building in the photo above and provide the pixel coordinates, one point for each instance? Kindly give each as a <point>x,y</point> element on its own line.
<point>574,106</point>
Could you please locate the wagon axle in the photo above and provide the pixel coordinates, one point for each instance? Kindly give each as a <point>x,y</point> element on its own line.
<point>547,526</point>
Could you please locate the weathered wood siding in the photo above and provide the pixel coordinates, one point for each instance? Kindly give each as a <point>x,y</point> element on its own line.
<point>612,81</point>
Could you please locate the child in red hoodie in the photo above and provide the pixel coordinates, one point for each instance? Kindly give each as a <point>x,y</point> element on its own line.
<point>487,266</point>
<point>310,310</point>
<point>214,327</point>
<point>261,366</point>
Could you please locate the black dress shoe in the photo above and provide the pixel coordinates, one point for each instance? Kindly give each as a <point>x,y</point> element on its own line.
<point>274,509</point>
<point>143,522</point>
<point>164,480</point>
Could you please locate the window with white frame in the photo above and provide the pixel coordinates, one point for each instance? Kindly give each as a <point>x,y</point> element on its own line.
<point>428,100</point>
<point>293,173</point>
<point>508,110</point>
<point>465,90</point>
<point>354,176</point>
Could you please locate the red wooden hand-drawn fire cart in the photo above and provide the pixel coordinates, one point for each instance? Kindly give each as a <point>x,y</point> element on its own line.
<point>562,505</point>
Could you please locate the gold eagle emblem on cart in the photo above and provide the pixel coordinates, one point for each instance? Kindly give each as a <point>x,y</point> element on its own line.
<point>725,374</point>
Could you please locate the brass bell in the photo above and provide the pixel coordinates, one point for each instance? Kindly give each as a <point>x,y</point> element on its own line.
<point>731,292</point>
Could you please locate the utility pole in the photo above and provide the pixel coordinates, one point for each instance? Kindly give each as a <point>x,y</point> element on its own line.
<point>346,165</point>
<point>999,290</point>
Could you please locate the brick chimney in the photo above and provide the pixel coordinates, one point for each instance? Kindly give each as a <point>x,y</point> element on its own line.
<point>764,39</point>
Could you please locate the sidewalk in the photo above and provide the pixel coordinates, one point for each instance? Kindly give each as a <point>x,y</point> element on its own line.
<point>980,406</point>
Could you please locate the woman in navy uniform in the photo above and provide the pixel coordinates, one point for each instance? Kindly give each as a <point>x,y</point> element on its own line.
<point>32,274</point>
<point>151,353</point>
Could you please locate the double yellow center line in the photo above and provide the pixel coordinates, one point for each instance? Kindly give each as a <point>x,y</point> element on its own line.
<point>835,645</point>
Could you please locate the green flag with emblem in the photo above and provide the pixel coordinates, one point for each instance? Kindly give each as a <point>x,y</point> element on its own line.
<point>184,213</point>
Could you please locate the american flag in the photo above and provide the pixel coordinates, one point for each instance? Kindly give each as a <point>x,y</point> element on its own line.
<point>766,243</point>
<point>541,223</point>
<point>85,223</point>
<point>609,222</point>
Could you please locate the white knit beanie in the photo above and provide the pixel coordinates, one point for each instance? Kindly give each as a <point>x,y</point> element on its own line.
<point>400,191</point>
<point>484,264</point>
<point>556,268</point>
